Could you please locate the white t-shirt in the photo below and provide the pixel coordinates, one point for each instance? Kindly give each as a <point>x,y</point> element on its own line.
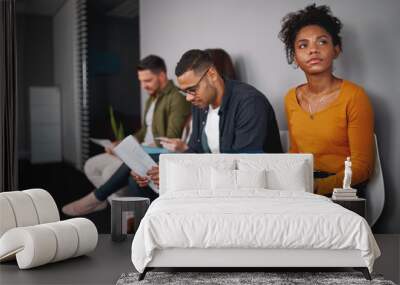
<point>212,129</point>
<point>149,138</point>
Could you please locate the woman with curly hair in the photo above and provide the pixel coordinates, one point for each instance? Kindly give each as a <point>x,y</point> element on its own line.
<point>328,116</point>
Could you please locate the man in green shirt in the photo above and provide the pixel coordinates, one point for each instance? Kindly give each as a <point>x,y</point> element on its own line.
<point>166,111</point>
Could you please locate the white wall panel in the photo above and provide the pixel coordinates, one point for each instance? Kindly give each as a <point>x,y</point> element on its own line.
<point>45,124</point>
<point>66,77</point>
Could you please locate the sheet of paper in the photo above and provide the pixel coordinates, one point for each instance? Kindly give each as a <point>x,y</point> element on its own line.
<point>102,142</point>
<point>133,155</point>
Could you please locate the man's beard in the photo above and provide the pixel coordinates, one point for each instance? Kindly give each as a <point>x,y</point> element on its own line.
<point>154,93</point>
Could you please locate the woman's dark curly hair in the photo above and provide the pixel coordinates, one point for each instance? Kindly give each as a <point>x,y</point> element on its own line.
<point>321,16</point>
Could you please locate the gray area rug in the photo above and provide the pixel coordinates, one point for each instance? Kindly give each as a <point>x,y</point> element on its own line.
<point>231,278</point>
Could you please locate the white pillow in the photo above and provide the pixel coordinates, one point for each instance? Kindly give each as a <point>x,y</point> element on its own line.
<point>189,176</point>
<point>251,178</point>
<point>281,175</point>
<point>223,179</point>
<point>292,179</point>
<point>236,179</point>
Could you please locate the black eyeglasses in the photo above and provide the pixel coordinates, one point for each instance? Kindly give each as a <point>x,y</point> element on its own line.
<point>193,89</point>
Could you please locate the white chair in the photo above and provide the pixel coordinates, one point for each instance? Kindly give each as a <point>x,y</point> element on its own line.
<point>375,189</point>
<point>31,231</point>
<point>285,140</point>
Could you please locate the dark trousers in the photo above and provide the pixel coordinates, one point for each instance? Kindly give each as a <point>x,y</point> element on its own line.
<point>122,178</point>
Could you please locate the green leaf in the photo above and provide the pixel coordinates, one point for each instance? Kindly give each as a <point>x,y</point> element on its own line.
<point>121,133</point>
<point>113,123</point>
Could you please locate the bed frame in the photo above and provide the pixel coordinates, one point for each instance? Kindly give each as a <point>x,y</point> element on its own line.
<point>246,258</point>
<point>256,258</point>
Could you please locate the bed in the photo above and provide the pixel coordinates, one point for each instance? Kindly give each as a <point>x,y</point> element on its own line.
<point>247,210</point>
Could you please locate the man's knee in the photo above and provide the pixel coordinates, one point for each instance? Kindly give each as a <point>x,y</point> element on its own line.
<point>95,163</point>
<point>89,166</point>
<point>109,170</point>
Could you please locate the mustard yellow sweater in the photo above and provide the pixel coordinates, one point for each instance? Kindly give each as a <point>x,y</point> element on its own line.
<point>344,128</point>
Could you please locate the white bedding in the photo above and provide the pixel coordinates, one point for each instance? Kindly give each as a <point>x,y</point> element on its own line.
<point>251,218</point>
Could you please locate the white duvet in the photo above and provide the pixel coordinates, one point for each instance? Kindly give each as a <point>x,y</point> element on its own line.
<point>250,219</point>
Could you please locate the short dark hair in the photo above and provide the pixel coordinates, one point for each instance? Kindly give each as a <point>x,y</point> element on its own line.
<point>321,16</point>
<point>222,62</point>
<point>153,63</point>
<point>194,59</point>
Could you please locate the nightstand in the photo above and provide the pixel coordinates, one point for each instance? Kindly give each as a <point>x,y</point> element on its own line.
<point>356,205</point>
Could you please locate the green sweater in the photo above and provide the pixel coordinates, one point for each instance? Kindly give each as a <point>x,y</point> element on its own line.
<point>170,114</point>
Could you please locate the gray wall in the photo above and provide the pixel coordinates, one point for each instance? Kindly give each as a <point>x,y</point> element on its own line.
<point>35,67</point>
<point>248,31</point>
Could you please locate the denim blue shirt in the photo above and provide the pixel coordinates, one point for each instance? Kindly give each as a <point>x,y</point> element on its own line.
<point>247,122</point>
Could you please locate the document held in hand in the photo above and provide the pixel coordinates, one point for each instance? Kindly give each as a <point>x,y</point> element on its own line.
<point>132,154</point>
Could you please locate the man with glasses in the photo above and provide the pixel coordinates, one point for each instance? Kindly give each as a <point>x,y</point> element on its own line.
<point>228,116</point>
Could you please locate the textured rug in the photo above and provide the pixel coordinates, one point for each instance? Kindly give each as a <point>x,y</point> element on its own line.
<point>243,278</point>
